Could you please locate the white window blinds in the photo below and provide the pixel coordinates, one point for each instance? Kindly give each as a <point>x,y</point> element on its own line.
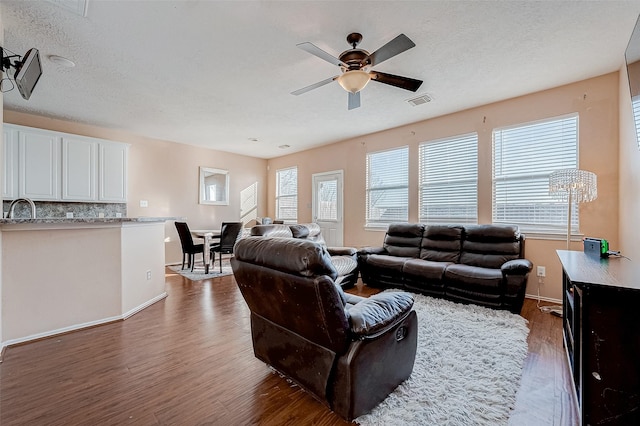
<point>448,180</point>
<point>635,103</point>
<point>287,194</point>
<point>387,187</point>
<point>523,158</point>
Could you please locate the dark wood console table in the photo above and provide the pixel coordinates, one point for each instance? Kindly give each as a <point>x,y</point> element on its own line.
<point>601,306</point>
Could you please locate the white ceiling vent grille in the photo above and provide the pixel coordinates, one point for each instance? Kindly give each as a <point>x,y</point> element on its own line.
<point>420,100</point>
<point>79,7</point>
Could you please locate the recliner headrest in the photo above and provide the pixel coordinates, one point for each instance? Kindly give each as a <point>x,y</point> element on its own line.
<point>290,255</point>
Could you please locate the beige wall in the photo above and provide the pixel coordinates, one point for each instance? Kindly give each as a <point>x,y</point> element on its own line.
<point>629,174</point>
<point>166,175</point>
<point>596,101</point>
<point>1,185</point>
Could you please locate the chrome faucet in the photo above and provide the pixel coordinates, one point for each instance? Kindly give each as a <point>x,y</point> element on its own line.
<point>16,201</point>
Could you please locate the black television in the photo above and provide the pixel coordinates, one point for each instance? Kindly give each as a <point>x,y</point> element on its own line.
<point>28,72</point>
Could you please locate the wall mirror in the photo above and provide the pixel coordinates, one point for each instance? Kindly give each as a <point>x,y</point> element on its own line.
<point>214,186</point>
<point>632,57</point>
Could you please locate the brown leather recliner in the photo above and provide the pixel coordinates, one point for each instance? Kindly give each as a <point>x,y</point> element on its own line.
<point>344,259</point>
<point>347,351</point>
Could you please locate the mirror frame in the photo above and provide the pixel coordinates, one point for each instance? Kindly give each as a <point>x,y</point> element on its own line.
<point>632,62</point>
<point>210,170</point>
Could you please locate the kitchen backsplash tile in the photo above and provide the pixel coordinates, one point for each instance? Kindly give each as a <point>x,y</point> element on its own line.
<point>57,209</point>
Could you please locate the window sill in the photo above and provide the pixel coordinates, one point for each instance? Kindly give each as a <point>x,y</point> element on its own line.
<point>533,235</point>
<point>374,228</point>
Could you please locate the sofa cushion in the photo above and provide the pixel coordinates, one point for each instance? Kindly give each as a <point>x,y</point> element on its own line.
<point>424,269</point>
<point>299,231</point>
<point>386,262</point>
<point>344,264</point>
<point>403,239</point>
<point>442,243</point>
<point>490,246</point>
<point>272,230</point>
<point>473,278</point>
<point>378,312</point>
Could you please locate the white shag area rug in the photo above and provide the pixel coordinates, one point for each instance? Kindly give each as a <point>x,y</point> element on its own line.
<point>467,369</point>
<point>198,273</point>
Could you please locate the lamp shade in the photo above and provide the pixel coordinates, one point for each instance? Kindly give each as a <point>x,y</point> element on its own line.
<point>573,185</point>
<point>354,81</point>
<point>580,185</point>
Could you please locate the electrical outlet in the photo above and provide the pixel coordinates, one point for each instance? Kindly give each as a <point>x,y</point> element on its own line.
<point>148,275</point>
<point>144,203</point>
<point>541,271</point>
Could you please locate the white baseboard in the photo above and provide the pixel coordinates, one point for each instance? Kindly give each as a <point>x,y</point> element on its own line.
<point>543,299</point>
<point>77,327</point>
<point>144,305</point>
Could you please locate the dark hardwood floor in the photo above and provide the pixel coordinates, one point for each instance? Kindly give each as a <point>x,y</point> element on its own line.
<point>188,360</point>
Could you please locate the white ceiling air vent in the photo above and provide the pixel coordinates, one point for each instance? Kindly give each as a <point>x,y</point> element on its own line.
<point>422,99</point>
<point>79,7</point>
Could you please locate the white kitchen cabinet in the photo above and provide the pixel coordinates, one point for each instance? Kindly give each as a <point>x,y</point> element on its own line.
<point>79,169</point>
<point>10,157</point>
<point>39,165</point>
<point>53,166</point>
<point>113,172</point>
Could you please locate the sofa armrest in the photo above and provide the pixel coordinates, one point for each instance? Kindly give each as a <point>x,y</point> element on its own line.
<point>379,312</point>
<point>371,250</point>
<point>342,251</point>
<point>517,267</point>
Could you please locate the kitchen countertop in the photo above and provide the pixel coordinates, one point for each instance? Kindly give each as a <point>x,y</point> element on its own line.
<point>82,220</point>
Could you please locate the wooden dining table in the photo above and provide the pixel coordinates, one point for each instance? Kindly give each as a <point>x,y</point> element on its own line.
<point>208,235</point>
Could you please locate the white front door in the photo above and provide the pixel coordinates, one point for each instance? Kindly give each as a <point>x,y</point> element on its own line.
<point>327,206</point>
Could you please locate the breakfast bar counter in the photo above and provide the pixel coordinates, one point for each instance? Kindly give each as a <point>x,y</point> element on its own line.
<point>64,274</point>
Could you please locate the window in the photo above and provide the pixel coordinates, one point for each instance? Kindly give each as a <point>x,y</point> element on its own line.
<point>448,181</point>
<point>523,158</point>
<point>387,187</point>
<point>287,194</point>
<point>635,103</point>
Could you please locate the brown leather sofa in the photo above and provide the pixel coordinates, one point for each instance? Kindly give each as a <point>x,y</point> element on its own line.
<point>347,351</point>
<point>344,259</point>
<point>481,264</point>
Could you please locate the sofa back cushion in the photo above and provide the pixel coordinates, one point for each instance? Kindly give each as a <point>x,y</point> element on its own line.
<point>442,243</point>
<point>299,231</point>
<point>403,239</point>
<point>272,230</point>
<point>490,246</point>
<point>315,233</point>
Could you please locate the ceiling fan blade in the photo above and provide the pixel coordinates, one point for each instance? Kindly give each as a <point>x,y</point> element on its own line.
<point>354,100</point>
<point>389,50</point>
<point>315,50</point>
<point>313,86</point>
<point>396,80</point>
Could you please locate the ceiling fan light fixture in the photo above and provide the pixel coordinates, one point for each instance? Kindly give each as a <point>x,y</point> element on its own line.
<point>354,81</point>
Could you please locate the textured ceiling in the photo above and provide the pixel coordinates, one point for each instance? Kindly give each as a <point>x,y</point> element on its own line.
<point>217,74</point>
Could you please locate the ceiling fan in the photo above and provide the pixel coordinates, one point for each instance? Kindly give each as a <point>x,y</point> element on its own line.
<point>356,63</point>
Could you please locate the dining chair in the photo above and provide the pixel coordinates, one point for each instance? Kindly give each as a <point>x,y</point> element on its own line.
<point>189,250</point>
<point>229,233</point>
